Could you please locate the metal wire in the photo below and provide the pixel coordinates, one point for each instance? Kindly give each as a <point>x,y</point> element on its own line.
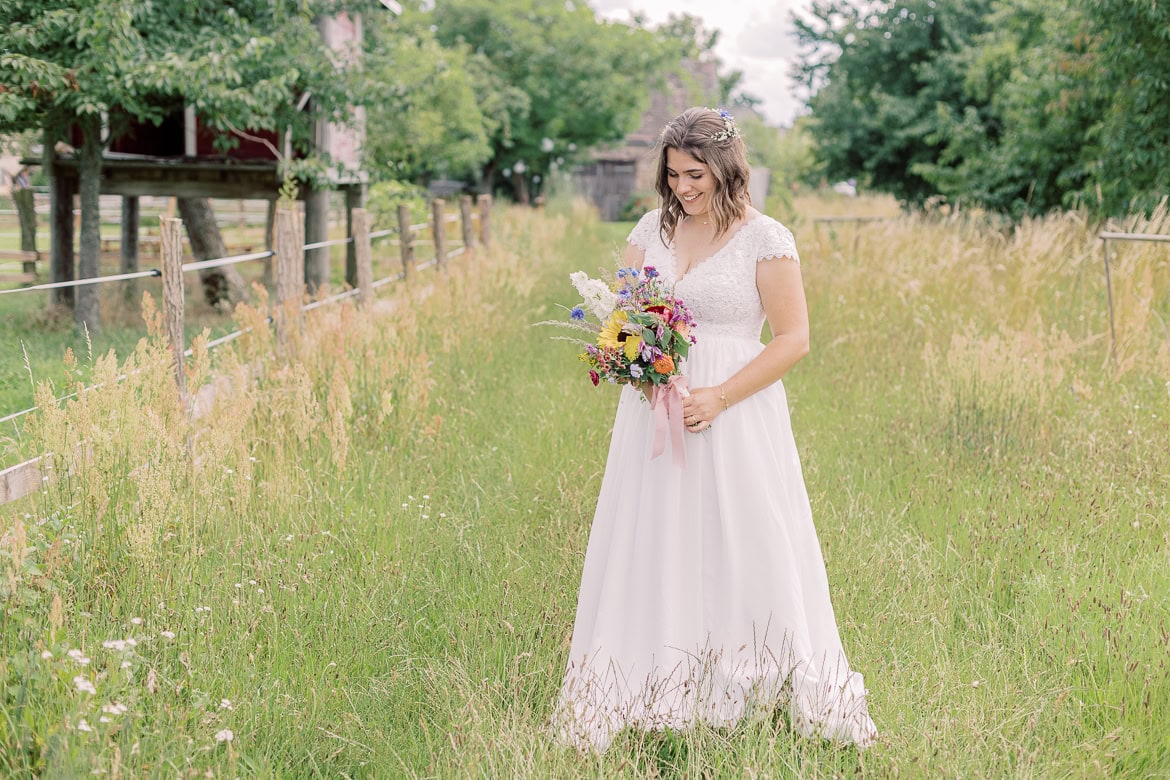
<point>80,282</point>
<point>232,260</point>
<point>332,242</point>
<point>383,233</point>
<point>330,299</point>
<point>389,280</point>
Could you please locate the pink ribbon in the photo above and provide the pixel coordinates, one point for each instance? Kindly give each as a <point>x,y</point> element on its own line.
<point>668,414</point>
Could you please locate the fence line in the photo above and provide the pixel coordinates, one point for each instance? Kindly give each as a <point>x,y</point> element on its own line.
<point>24,478</point>
<point>1106,237</point>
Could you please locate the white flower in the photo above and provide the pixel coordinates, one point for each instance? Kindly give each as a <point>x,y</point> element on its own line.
<point>119,645</point>
<point>167,634</point>
<point>84,685</point>
<point>596,294</point>
<point>46,655</point>
<point>104,719</point>
<point>78,656</point>
<point>224,736</point>
<point>83,726</point>
<point>137,621</point>
<point>226,704</point>
<point>114,708</point>
<point>126,664</point>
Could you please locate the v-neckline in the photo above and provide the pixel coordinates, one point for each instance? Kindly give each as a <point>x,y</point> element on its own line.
<point>693,266</point>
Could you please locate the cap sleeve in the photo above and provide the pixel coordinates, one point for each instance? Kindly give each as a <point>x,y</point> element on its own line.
<point>646,232</point>
<point>776,241</point>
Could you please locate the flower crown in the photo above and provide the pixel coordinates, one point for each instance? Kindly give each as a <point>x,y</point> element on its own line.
<point>730,129</point>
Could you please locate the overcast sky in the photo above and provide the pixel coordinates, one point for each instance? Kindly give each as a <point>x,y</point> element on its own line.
<point>756,37</point>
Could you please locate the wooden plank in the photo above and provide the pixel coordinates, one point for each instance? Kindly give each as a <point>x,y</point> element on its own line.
<point>439,228</point>
<point>465,216</point>
<point>172,272</point>
<point>363,256</point>
<point>485,219</point>
<point>19,256</point>
<point>406,237</point>
<point>18,481</point>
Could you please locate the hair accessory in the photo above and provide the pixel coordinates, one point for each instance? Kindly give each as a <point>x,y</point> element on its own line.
<point>730,129</point>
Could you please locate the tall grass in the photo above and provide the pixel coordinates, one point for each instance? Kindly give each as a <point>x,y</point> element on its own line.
<point>364,560</point>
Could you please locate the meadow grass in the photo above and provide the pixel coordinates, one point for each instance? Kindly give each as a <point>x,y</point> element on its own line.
<point>365,561</point>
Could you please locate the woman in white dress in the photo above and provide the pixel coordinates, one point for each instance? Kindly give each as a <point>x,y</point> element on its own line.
<point>704,596</point>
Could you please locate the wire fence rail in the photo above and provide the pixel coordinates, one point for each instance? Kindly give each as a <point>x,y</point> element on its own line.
<point>291,302</point>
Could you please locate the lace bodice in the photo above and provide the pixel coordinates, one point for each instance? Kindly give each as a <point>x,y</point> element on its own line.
<point>721,290</point>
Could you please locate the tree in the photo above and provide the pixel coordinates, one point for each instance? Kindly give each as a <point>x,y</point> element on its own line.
<point>584,81</point>
<point>95,66</point>
<point>878,74</point>
<point>1128,151</point>
<point>433,108</point>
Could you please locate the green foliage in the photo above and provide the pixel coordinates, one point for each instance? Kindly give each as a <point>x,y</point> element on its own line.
<point>1019,106</point>
<point>565,80</point>
<point>879,73</point>
<point>386,196</point>
<point>431,109</point>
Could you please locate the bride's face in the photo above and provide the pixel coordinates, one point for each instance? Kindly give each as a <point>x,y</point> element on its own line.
<point>690,180</point>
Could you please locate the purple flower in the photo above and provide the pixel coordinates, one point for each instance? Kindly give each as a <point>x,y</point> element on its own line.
<point>635,371</point>
<point>651,272</point>
<point>577,313</point>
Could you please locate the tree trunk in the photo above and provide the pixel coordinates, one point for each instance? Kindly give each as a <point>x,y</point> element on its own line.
<point>221,286</point>
<point>520,182</point>
<point>269,232</point>
<point>60,224</point>
<point>87,313</point>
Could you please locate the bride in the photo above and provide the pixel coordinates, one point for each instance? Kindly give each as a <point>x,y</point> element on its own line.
<point>704,596</point>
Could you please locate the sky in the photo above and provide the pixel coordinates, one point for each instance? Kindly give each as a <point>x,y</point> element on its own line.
<point>756,37</point>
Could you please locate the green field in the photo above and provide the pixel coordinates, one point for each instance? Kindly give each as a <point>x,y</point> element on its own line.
<point>365,563</point>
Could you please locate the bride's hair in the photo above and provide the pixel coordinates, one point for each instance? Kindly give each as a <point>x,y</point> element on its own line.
<point>711,137</point>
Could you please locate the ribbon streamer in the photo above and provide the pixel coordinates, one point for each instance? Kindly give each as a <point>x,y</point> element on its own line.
<point>668,416</point>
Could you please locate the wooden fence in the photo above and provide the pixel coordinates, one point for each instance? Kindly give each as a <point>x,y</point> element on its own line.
<point>289,253</point>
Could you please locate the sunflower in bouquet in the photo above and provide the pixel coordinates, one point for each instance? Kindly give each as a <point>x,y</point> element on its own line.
<point>641,331</point>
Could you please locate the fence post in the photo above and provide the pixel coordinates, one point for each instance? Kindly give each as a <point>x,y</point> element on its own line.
<point>290,268</point>
<point>439,229</point>
<point>485,219</point>
<point>362,256</point>
<point>406,241</point>
<point>467,224</point>
<point>129,247</point>
<point>171,242</point>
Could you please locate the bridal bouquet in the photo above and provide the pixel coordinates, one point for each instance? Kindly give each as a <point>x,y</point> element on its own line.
<point>641,333</point>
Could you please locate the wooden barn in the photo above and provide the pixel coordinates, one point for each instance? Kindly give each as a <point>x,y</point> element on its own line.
<point>620,180</point>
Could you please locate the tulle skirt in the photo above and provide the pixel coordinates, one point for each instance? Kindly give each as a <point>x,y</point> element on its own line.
<point>704,596</point>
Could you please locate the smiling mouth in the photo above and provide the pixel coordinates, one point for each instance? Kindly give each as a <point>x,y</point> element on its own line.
<point>692,198</point>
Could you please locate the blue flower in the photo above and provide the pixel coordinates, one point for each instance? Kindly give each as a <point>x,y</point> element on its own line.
<point>621,273</point>
<point>723,112</point>
<point>634,272</point>
<point>577,313</point>
<point>651,272</point>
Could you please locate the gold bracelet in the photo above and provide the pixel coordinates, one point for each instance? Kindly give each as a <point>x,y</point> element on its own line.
<point>723,398</point>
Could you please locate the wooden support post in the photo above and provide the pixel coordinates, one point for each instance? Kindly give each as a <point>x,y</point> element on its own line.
<point>439,228</point>
<point>485,219</point>
<point>171,241</point>
<point>290,269</point>
<point>466,222</point>
<point>355,198</point>
<point>316,263</point>
<point>406,237</point>
<point>363,255</point>
<point>61,193</point>
<point>129,262</point>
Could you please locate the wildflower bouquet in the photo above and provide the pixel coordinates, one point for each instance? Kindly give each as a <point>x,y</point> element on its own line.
<point>642,331</point>
<point>641,334</point>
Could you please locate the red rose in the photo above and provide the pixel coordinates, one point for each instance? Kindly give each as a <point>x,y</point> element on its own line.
<point>596,379</point>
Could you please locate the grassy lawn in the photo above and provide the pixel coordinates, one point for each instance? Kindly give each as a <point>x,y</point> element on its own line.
<point>365,562</point>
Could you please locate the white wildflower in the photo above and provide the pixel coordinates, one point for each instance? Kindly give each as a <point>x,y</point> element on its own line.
<point>84,685</point>
<point>226,704</point>
<point>115,708</point>
<point>78,656</point>
<point>83,726</point>
<point>596,294</point>
<point>224,736</point>
<point>136,621</point>
<point>46,655</point>
<point>167,634</point>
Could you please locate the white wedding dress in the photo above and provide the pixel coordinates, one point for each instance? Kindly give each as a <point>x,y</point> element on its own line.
<point>704,596</point>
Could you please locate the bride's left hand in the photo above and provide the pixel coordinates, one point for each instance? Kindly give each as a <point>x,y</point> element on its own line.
<point>701,408</point>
